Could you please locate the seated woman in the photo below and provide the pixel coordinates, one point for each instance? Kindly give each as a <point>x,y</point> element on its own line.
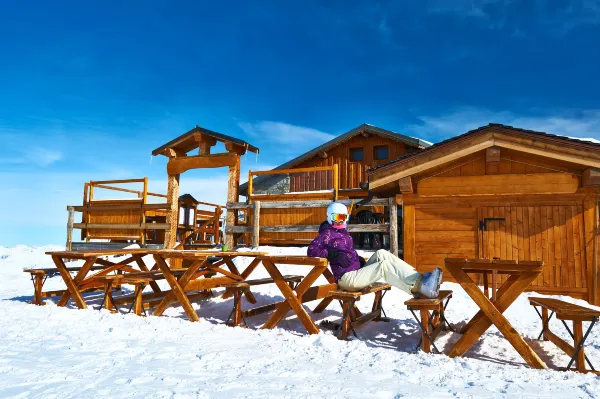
<point>352,273</point>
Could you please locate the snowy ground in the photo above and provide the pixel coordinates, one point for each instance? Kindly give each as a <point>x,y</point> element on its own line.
<point>52,352</point>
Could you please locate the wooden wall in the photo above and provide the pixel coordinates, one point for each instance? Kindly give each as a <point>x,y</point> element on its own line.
<point>545,215</point>
<point>352,173</point>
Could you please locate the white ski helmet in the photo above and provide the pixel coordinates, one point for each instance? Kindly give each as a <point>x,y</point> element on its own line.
<point>335,208</point>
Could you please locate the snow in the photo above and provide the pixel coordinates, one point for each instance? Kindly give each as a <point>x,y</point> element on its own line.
<point>52,352</point>
<point>591,140</point>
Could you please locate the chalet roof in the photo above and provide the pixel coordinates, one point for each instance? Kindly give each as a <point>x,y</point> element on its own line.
<point>365,127</point>
<point>578,151</point>
<point>186,142</point>
<point>495,126</point>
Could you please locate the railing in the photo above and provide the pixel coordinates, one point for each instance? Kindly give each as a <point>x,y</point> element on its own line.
<point>390,228</point>
<point>115,218</point>
<point>88,188</point>
<point>300,180</point>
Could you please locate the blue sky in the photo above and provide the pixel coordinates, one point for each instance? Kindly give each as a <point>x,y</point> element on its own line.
<point>89,89</point>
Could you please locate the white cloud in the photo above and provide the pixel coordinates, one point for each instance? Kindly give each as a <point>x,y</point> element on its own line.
<point>565,123</point>
<point>285,133</point>
<point>36,156</point>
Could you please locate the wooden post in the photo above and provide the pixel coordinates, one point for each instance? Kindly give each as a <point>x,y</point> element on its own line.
<point>256,225</point>
<point>410,256</point>
<point>393,226</point>
<point>336,180</point>
<point>70,222</point>
<point>249,184</point>
<point>232,196</point>
<point>578,335</point>
<point>216,236</point>
<point>590,234</point>
<point>172,212</point>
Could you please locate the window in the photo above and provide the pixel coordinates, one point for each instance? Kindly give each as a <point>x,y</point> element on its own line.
<point>356,154</point>
<point>380,152</point>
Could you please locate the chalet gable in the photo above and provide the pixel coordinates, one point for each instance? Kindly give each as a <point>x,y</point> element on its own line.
<point>492,139</point>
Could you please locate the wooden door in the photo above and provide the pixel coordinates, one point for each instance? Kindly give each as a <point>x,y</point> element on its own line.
<point>553,234</point>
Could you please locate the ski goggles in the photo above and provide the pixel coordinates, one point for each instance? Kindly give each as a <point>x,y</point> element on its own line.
<point>339,217</point>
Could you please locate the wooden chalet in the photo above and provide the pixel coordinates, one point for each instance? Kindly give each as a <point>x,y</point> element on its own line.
<point>506,193</point>
<point>334,170</point>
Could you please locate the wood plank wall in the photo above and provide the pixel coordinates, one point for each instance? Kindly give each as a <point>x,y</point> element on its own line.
<point>352,173</point>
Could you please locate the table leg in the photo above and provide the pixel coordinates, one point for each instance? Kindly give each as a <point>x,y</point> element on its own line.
<point>90,282</point>
<point>72,290</point>
<point>578,336</point>
<point>545,321</point>
<point>140,262</point>
<point>176,288</point>
<point>229,262</point>
<point>138,305</point>
<point>493,314</point>
<point>292,299</point>
<point>245,274</point>
<point>480,315</point>
<point>38,283</point>
<point>425,344</point>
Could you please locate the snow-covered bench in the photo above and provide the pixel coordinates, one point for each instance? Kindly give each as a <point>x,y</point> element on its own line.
<point>567,311</point>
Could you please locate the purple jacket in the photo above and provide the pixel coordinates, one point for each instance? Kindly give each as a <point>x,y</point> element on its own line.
<point>340,240</point>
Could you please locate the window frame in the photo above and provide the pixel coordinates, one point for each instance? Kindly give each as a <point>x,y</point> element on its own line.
<point>351,151</point>
<point>377,147</point>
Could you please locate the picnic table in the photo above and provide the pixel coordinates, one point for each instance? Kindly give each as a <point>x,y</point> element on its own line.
<point>521,275</point>
<point>201,265</point>
<point>180,281</point>
<point>303,292</point>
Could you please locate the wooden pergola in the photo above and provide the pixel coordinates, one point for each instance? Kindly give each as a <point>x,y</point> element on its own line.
<point>179,161</point>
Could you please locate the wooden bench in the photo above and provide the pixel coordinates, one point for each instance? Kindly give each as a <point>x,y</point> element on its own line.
<point>575,313</point>
<point>138,282</point>
<point>236,317</point>
<point>431,324</point>
<point>350,319</point>
<point>39,276</point>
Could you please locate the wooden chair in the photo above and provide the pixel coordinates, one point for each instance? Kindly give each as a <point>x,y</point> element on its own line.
<point>575,313</point>
<point>431,324</point>
<point>348,299</point>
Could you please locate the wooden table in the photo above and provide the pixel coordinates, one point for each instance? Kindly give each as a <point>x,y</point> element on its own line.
<point>81,281</point>
<point>304,291</point>
<point>201,266</point>
<point>522,274</point>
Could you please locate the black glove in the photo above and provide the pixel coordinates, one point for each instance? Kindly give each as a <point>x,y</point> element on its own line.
<point>332,254</point>
<point>362,261</point>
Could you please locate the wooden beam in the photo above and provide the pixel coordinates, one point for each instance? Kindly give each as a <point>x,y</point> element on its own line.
<point>506,184</point>
<point>393,226</point>
<point>180,165</point>
<point>233,187</point>
<point>256,225</point>
<point>591,177</point>
<point>309,228</point>
<point>405,185</point>
<point>590,236</point>
<point>580,160</point>
<point>119,226</point>
<point>173,211</point>
<point>304,204</point>
<point>492,155</point>
<point>410,255</point>
<point>70,223</point>
<point>235,148</point>
<point>204,143</point>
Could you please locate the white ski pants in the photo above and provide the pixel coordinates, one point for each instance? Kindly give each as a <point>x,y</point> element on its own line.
<point>381,266</point>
